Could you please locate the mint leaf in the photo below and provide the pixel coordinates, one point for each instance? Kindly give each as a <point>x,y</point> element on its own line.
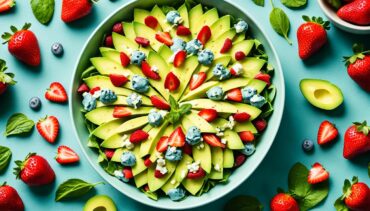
<point>185,108</point>
<point>280,23</point>
<point>73,188</point>
<point>294,3</point>
<point>43,10</point>
<point>339,205</point>
<point>260,3</point>
<point>5,155</point>
<point>297,180</point>
<point>317,193</point>
<point>173,103</point>
<point>18,124</point>
<point>243,203</point>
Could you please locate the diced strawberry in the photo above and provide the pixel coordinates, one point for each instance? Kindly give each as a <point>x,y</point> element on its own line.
<point>108,42</point>
<point>158,174</point>
<point>260,124</point>
<point>204,34</point>
<point>264,77</point>
<point>56,93</point>
<point>48,128</point>
<point>177,138</point>
<point>142,41</point>
<point>187,149</point>
<point>148,72</point>
<point>239,55</point>
<point>327,133</point>
<point>162,144</point>
<point>159,103</point>
<point>208,114</point>
<point>127,171</point>
<point>66,155</point>
<point>241,117</point>
<point>179,59</point>
<point>228,44</point>
<point>246,136</point>
<point>83,88</point>
<point>138,136</point>
<point>125,59</point>
<point>148,162</point>
<point>146,188</point>
<point>172,82</point>
<point>109,153</point>
<point>197,80</point>
<point>95,89</point>
<point>213,140</point>
<point>317,174</point>
<point>151,22</point>
<point>233,72</point>
<point>164,37</point>
<point>183,31</point>
<point>118,28</point>
<point>118,80</point>
<point>235,95</point>
<point>239,159</point>
<point>120,112</point>
<point>197,175</point>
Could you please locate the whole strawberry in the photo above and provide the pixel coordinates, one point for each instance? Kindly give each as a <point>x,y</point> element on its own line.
<point>283,202</point>
<point>356,140</point>
<point>311,36</point>
<point>356,196</point>
<point>75,9</point>
<point>356,12</point>
<point>10,199</point>
<point>5,78</point>
<point>23,45</point>
<point>34,170</point>
<point>358,66</point>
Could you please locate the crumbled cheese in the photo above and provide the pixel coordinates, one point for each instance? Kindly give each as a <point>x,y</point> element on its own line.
<point>178,20</point>
<point>126,143</point>
<point>162,169</point>
<point>154,69</point>
<point>158,154</point>
<point>161,162</point>
<point>220,131</point>
<point>217,167</point>
<point>172,149</point>
<point>194,167</point>
<point>223,141</point>
<point>231,123</point>
<point>238,68</point>
<point>173,182</point>
<point>163,113</point>
<point>183,174</point>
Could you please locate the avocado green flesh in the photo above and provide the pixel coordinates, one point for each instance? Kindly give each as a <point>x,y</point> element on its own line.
<point>141,179</point>
<point>156,183</point>
<point>100,203</point>
<point>217,162</point>
<point>228,158</point>
<point>128,29</point>
<point>204,156</point>
<point>106,130</point>
<point>179,175</point>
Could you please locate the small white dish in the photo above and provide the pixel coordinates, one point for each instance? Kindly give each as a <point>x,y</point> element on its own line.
<point>341,24</point>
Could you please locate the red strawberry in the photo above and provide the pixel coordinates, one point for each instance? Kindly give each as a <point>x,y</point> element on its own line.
<point>148,72</point>
<point>283,202</point>
<point>34,170</point>
<point>66,155</point>
<point>127,171</point>
<point>48,128</point>
<point>108,41</point>
<point>151,22</point>
<point>138,136</point>
<point>311,36</point>
<point>327,133</point>
<point>204,34</point>
<point>197,175</point>
<point>10,199</point>
<point>118,28</point>
<point>183,31</point>
<point>56,93</point>
<point>125,59</point>
<point>158,174</point>
<point>5,78</point>
<point>164,37</point>
<point>239,159</point>
<point>118,80</point>
<point>95,89</point>
<point>120,112</point>
<point>356,196</point>
<point>75,9</point>
<point>23,45</point>
<point>6,5</point>
<point>317,174</point>
<point>179,59</point>
<point>213,140</point>
<point>235,95</point>
<point>159,103</point>
<point>187,149</point>
<point>172,82</point>
<point>208,114</point>
<point>177,138</point>
<point>246,136</point>
<point>264,77</point>
<point>260,124</point>
<point>109,153</point>
<point>228,44</point>
<point>83,88</point>
<point>142,41</point>
<point>356,12</point>
<point>197,80</point>
<point>148,162</point>
<point>356,140</point>
<point>162,144</point>
<point>241,117</point>
<point>239,55</point>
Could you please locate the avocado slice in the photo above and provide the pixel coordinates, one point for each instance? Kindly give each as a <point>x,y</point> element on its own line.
<point>132,124</point>
<point>201,123</point>
<point>100,202</point>
<point>161,17</point>
<point>220,26</point>
<point>154,135</point>
<point>129,31</point>
<point>100,116</point>
<point>157,60</point>
<point>245,126</point>
<point>321,93</point>
<point>238,38</point>
<point>217,161</point>
<point>106,130</point>
<point>165,52</point>
<point>141,179</point>
<point>184,73</point>
<point>139,167</point>
<point>207,19</point>
<point>116,140</point>
<point>156,183</point>
<point>106,66</point>
<point>244,46</point>
<point>140,15</point>
<point>228,158</point>
<point>193,185</point>
<point>117,155</point>
<point>204,156</point>
<point>216,45</point>
<point>199,92</point>
<point>194,15</point>
<point>233,140</point>
<point>148,33</point>
<point>122,100</point>
<point>252,66</point>
<point>257,84</point>
<point>234,83</point>
<point>124,44</point>
<point>115,56</point>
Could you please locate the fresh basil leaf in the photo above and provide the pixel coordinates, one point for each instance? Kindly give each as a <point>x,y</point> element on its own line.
<point>297,180</point>
<point>173,103</point>
<point>294,3</point>
<point>336,4</point>
<point>243,203</point>
<point>5,155</point>
<point>259,2</point>
<point>185,108</point>
<point>339,205</point>
<point>18,124</point>
<point>317,193</point>
<point>280,23</point>
<point>43,10</point>
<point>73,188</point>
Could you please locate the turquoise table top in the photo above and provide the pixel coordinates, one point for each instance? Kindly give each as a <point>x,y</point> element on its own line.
<point>300,120</point>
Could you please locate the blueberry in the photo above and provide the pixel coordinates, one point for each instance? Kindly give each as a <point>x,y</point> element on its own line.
<point>57,49</point>
<point>307,145</point>
<point>35,103</point>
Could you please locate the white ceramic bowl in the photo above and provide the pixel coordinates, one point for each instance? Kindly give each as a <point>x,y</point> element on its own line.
<point>341,24</point>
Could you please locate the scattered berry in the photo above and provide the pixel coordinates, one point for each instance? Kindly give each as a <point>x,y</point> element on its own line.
<point>172,82</point>
<point>241,117</point>
<point>204,34</point>
<point>317,174</point>
<point>228,44</point>
<point>162,144</point>
<point>197,175</point>
<point>6,5</point>
<point>307,145</point>
<point>197,80</point>
<point>327,133</point>
<point>260,124</point>
<point>118,80</point>
<point>75,9</point>
<point>138,136</point>
<point>177,138</point>
<point>283,202</point>
<point>10,199</point>
<point>48,128</point>
<point>159,103</point>
<point>56,93</point>
<point>108,42</point>
<point>246,136</point>
<point>151,22</point>
<point>213,140</point>
<point>179,59</point>
<point>66,155</point>
<point>57,49</point>
<point>118,28</point>
<point>142,41</point>
<point>356,140</point>
<point>83,88</point>
<point>239,55</point>
<point>35,103</point>
<point>121,112</point>
<point>208,114</point>
<point>183,31</point>
<point>164,37</point>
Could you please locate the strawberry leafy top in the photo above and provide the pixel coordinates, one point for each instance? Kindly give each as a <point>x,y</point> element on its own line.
<point>317,20</point>
<point>22,164</point>
<point>359,53</point>
<point>6,78</point>
<point>7,36</point>
<point>347,190</point>
<point>362,127</point>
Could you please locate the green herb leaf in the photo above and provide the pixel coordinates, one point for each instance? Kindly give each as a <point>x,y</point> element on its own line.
<point>5,155</point>
<point>243,203</point>
<point>185,108</point>
<point>294,3</point>
<point>340,206</point>
<point>18,124</point>
<point>43,10</point>
<point>280,23</point>
<point>318,193</point>
<point>73,188</point>
<point>259,2</point>
<point>173,103</point>
<point>336,4</point>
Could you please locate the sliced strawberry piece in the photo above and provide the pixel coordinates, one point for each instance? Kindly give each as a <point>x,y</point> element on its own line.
<point>233,72</point>
<point>164,37</point>
<point>56,93</point>
<point>66,155</point>
<point>83,88</point>
<point>159,103</point>
<point>177,138</point>
<point>179,59</point>
<point>317,174</point>
<point>228,44</point>
<point>148,72</point>
<point>148,162</point>
<point>241,117</point>
<point>125,59</point>
<point>108,42</point>
<point>48,128</point>
<point>146,188</point>
<point>235,95</point>
<point>127,171</point>
<point>172,82</point>
<point>162,144</point>
<point>246,136</point>
<point>142,41</point>
<point>327,133</point>
<point>118,80</point>
<point>138,136</point>
<point>118,28</point>
<point>109,153</point>
<point>158,174</point>
<point>6,5</point>
<point>239,159</point>
<point>260,124</point>
<point>204,34</point>
<point>151,22</point>
<point>95,89</point>
<point>240,55</point>
<point>187,149</point>
<point>213,140</point>
<point>197,175</point>
<point>208,114</point>
<point>197,80</point>
<point>264,77</point>
<point>120,112</point>
<point>183,31</point>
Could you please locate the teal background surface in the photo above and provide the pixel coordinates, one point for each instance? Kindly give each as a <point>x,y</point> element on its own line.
<point>300,120</point>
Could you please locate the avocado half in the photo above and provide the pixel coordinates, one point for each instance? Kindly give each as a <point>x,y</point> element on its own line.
<point>321,93</point>
<point>100,203</point>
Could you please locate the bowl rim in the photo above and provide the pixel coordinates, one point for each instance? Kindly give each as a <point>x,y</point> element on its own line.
<point>279,112</point>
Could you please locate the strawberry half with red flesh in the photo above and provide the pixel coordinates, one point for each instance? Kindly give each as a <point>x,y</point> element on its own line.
<point>73,10</point>
<point>48,128</point>
<point>196,175</point>
<point>56,93</point>
<point>121,112</point>
<point>151,21</point>
<point>264,77</point>
<point>164,37</point>
<point>148,162</point>
<point>327,133</point>
<point>183,31</point>
<point>177,138</point>
<point>66,155</point>
<point>125,59</point>
<point>246,136</point>
<point>356,140</point>
<point>235,95</point>
<point>239,159</point>
<point>142,41</point>
<point>241,117</point>
<point>311,36</point>
<point>357,195</point>
<point>356,12</point>
<point>83,88</point>
<point>162,144</point>
<point>10,199</point>
<point>5,78</point>
<point>179,59</point>
<point>148,72</point>
<point>159,103</point>
<point>95,89</point>
<point>138,136</point>
<point>172,82</point>
<point>213,140</point>
<point>260,124</point>
<point>204,35</point>
<point>34,170</point>
<point>208,114</point>
<point>109,153</point>
<point>197,80</point>
<point>118,80</point>
<point>23,45</point>
<point>228,44</point>
<point>127,171</point>
<point>283,202</point>
<point>6,5</point>
<point>317,174</point>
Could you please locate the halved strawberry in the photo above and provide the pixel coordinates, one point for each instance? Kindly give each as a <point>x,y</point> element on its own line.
<point>327,133</point>
<point>162,144</point>
<point>213,140</point>
<point>177,138</point>
<point>159,103</point>
<point>260,124</point>
<point>125,59</point>
<point>172,82</point>
<point>241,117</point>
<point>164,37</point>
<point>197,175</point>
<point>108,42</point>
<point>148,162</point>
<point>118,80</point>
<point>148,72</point>
<point>208,114</point>
<point>120,112</point>
<point>118,28</point>
<point>158,174</point>
<point>235,95</point>
<point>83,88</point>
<point>95,89</point>
<point>187,149</point>
<point>240,55</point>
<point>183,31</point>
<point>6,5</point>
<point>48,128</point>
<point>109,153</point>
<point>317,174</point>
<point>142,41</point>
<point>239,159</point>
<point>179,58</point>
<point>66,155</point>
<point>204,34</point>
<point>56,93</point>
<point>127,171</point>
<point>197,80</point>
<point>228,44</point>
<point>138,136</point>
<point>246,136</point>
<point>264,77</point>
<point>151,21</point>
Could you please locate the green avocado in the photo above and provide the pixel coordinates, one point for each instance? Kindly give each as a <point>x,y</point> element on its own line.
<point>147,33</point>
<point>217,162</point>
<point>155,59</point>
<point>252,66</point>
<point>184,73</point>
<point>101,115</point>
<point>124,44</point>
<point>194,15</point>
<point>245,126</point>
<point>321,94</point>
<point>100,203</point>
<point>106,130</point>
<point>129,31</point>
<point>200,91</point>
<point>220,26</point>
<point>228,158</point>
<point>106,66</point>
<point>141,179</point>
<point>154,134</point>
<point>201,123</point>
<point>204,156</point>
<point>140,15</point>
<point>207,19</point>
<point>161,17</point>
<point>156,183</point>
<point>244,46</point>
<point>193,185</point>
<point>233,140</point>
<point>216,45</point>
